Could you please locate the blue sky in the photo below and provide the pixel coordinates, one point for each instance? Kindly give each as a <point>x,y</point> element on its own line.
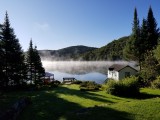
<point>55,24</point>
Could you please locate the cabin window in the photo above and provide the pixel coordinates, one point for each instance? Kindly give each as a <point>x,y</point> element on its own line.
<point>127,74</point>
<point>115,74</point>
<point>111,72</point>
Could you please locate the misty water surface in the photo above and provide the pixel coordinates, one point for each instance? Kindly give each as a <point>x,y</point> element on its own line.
<point>81,70</point>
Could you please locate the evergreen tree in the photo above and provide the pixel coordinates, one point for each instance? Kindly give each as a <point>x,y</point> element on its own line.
<point>142,48</point>
<point>34,66</point>
<point>149,38</point>
<point>39,70</point>
<point>29,62</point>
<point>132,50</point>
<point>153,32</point>
<point>144,36</point>
<point>1,61</point>
<point>13,55</point>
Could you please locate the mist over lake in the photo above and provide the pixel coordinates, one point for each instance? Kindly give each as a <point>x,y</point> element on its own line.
<point>81,70</point>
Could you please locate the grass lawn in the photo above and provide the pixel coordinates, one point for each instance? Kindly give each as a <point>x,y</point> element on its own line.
<point>67,102</point>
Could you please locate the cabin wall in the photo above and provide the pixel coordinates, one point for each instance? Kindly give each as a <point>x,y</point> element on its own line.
<point>125,71</point>
<point>113,75</point>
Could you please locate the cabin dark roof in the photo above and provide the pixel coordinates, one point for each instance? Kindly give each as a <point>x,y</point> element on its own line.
<point>118,67</point>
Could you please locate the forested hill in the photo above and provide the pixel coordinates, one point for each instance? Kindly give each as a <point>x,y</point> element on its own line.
<point>111,51</point>
<point>68,53</point>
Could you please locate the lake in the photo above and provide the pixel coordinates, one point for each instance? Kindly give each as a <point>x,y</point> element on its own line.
<point>81,70</point>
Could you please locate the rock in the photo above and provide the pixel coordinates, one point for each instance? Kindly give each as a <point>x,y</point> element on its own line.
<point>13,112</point>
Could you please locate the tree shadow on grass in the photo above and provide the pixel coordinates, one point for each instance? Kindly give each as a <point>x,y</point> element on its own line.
<point>47,105</point>
<point>100,113</point>
<point>147,96</point>
<point>141,96</point>
<point>82,94</point>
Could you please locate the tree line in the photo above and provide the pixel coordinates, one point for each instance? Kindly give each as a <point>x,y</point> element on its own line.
<point>143,46</point>
<point>17,68</point>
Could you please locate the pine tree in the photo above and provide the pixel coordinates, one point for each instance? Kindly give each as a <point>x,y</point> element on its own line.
<point>153,32</point>
<point>13,55</point>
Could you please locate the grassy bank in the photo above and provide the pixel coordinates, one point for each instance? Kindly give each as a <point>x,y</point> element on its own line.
<point>67,102</point>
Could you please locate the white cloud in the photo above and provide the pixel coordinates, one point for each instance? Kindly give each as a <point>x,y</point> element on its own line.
<point>41,27</point>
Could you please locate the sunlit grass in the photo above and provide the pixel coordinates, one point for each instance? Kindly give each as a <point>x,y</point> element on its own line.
<point>65,102</point>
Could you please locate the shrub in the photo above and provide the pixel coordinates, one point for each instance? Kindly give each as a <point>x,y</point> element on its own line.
<point>47,86</point>
<point>144,80</point>
<point>55,83</point>
<point>126,87</point>
<point>89,86</point>
<point>77,82</point>
<point>156,83</point>
<point>111,84</point>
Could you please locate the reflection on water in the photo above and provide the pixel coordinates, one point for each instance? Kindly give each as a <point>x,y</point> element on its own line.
<point>93,76</point>
<point>81,70</point>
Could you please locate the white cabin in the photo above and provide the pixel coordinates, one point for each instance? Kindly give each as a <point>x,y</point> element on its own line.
<point>118,72</point>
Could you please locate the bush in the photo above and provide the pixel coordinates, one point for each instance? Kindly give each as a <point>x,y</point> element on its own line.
<point>89,86</point>
<point>144,80</point>
<point>156,83</point>
<point>111,85</point>
<point>47,86</point>
<point>54,83</point>
<point>126,87</point>
<point>77,82</point>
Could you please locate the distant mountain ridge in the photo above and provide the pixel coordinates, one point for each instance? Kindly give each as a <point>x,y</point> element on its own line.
<point>111,51</point>
<point>67,53</point>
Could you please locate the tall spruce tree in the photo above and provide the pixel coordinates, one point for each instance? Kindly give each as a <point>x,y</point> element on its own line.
<point>1,61</point>
<point>39,70</point>
<point>34,66</point>
<point>153,31</point>
<point>29,62</point>
<point>149,36</point>
<point>144,35</point>
<point>13,55</point>
<point>132,50</point>
<point>143,40</point>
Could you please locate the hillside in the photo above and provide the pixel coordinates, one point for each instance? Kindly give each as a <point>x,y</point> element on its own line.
<point>111,51</point>
<point>64,54</point>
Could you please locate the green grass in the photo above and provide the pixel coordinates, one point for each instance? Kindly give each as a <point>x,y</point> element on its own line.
<point>67,102</point>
